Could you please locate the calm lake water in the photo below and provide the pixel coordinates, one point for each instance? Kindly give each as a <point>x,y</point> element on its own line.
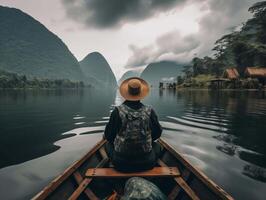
<point>43,132</point>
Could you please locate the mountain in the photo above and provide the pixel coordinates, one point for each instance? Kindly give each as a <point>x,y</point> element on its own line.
<point>95,67</point>
<point>27,47</point>
<point>157,72</point>
<point>129,74</point>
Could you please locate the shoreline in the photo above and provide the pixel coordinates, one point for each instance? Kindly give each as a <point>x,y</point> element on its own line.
<point>206,89</point>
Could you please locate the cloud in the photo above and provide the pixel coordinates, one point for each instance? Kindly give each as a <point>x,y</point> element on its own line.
<point>170,46</point>
<point>173,42</point>
<point>141,56</point>
<point>220,17</point>
<point>115,13</point>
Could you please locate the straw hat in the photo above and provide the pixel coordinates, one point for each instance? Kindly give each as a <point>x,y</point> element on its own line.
<point>134,89</point>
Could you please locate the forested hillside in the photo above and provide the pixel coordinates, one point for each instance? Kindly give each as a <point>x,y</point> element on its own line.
<point>97,70</point>
<point>12,80</point>
<point>154,73</point>
<point>240,49</point>
<point>29,48</point>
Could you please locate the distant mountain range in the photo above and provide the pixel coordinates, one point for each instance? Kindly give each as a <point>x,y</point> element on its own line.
<point>161,71</point>
<point>28,48</point>
<point>129,74</point>
<point>96,69</point>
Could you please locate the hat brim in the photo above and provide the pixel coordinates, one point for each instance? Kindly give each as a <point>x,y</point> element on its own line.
<point>144,91</point>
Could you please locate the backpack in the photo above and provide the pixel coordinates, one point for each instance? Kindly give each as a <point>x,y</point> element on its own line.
<point>134,137</point>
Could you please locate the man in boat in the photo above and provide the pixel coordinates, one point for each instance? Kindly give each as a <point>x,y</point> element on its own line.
<point>132,129</point>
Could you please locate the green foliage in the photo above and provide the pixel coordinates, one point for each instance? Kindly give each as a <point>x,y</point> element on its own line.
<point>12,80</point>
<point>201,81</point>
<point>241,49</point>
<point>246,47</point>
<point>27,47</point>
<point>180,80</point>
<point>258,8</point>
<point>206,65</point>
<point>250,83</point>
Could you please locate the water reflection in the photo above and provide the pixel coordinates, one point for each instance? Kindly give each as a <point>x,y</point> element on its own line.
<point>255,172</point>
<point>31,121</point>
<point>236,120</point>
<point>222,133</point>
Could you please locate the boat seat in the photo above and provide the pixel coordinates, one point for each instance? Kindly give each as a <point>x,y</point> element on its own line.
<point>111,172</point>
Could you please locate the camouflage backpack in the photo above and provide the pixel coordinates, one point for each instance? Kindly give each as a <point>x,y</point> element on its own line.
<point>135,135</point>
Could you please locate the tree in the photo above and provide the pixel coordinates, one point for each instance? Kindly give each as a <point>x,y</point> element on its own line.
<point>258,9</point>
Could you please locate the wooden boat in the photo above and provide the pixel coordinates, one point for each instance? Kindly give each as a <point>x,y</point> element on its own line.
<point>92,177</point>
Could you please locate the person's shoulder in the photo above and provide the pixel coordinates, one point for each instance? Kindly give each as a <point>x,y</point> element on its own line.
<point>147,105</point>
<point>148,108</point>
<point>115,110</point>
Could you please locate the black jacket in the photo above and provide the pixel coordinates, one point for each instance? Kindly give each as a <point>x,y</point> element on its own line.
<point>140,162</point>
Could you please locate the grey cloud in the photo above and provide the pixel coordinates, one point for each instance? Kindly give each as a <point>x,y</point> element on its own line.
<point>220,18</point>
<point>171,46</point>
<point>175,43</point>
<point>115,13</point>
<point>141,56</point>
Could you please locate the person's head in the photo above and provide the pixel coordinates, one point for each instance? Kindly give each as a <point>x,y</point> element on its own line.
<point>134,89</point>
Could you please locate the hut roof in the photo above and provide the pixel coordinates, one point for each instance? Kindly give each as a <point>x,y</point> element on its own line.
<point>256,72</point>
<point>232,73</point>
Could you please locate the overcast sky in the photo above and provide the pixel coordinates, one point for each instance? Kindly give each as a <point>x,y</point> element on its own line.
<point>133,33</point>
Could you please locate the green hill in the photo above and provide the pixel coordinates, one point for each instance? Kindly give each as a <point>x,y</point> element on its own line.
<point>156,72</point>
<point>28,48</point>
<point>129,74</point>
<point>97,70</point>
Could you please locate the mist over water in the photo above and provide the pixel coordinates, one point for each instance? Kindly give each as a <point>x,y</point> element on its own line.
<point>43,132</point>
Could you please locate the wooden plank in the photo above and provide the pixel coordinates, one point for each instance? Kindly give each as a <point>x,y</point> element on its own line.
<point>90,194</point>
<point>87,191</point>
<point>113,196</point>
<point>199,174</point>
<point>175,191</point>
<point>179,180</point>
<point>77,177</point>
<point>103,152</point>
<point>80,189</point>
<point>85,182</point>
<point>62,177</point>
<point>111,172</point>
<point>173,194</point>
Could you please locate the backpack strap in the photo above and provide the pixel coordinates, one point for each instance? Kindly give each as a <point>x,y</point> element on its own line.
<point>147,109</point>
<point>124,110</point>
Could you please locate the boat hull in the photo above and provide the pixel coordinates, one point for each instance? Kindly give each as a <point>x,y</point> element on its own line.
<point>73,183</point>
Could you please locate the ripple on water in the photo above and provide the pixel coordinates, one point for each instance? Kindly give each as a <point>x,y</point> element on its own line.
<point>78,118</point>
<point>83,130</point>
<point>188,130</point>
<point>199,125</point>
<point>195,161</point>
<point>101,122</point>
<point>79,123</point>
<point>206,121</point>
<point>193,149</point>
